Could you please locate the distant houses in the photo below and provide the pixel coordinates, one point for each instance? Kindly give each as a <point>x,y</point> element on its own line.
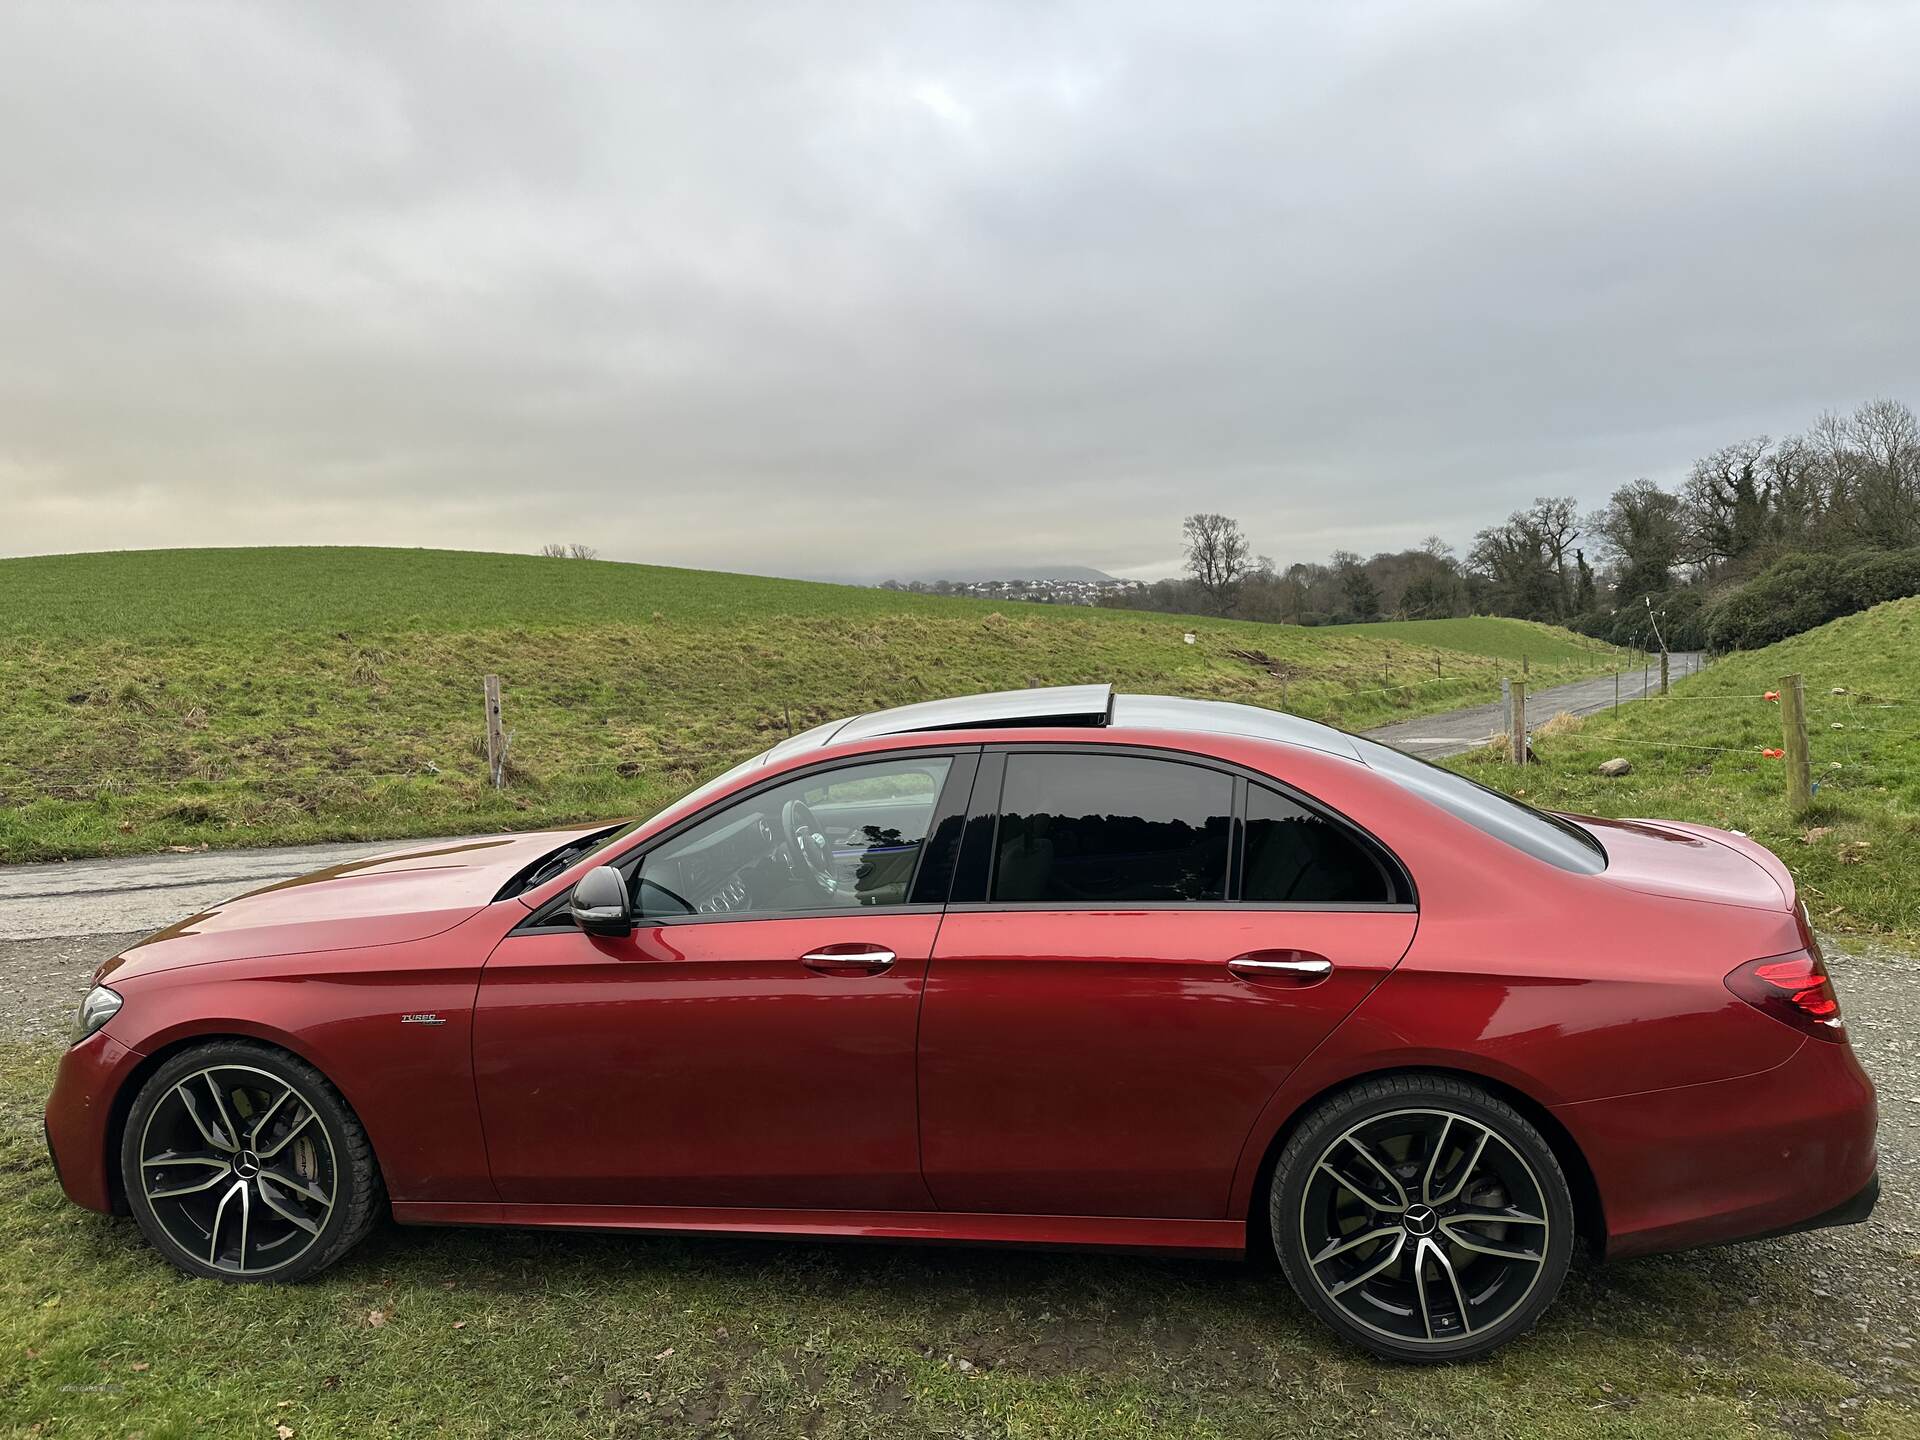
<point>1039,592</point>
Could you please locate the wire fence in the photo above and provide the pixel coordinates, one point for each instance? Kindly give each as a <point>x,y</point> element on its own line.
<point>1848,739</point>
<point>1843,737</point>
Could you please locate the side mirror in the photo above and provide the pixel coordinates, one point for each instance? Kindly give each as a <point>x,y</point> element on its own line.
<point>600,903</point>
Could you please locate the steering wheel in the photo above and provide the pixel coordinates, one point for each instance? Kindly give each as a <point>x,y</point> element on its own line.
<point>808,856</point>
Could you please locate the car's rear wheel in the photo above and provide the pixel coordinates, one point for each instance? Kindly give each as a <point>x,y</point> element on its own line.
<point>242,1163</point>
<point>1422,1218</point>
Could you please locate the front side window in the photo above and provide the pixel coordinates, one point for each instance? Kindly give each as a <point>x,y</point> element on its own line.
<point>1298,857</point>
<point>836,840</point>
<point>1111,829</point>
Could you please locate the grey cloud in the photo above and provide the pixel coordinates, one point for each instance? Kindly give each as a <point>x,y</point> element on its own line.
<point>853,288</point>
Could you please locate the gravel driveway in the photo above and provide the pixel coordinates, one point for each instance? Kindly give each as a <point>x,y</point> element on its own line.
<point>1434,737</point>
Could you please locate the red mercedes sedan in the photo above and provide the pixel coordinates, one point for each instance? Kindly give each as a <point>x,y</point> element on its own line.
<point>1053,967</point>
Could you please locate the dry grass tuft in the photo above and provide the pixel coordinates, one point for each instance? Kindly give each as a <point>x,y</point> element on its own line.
<point>368,662</point>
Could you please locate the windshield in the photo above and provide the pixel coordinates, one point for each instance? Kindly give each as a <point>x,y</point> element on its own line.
<point>554,861</point>
<point>806,739</point>
<point>1552,838</point>
<point>571,854</point>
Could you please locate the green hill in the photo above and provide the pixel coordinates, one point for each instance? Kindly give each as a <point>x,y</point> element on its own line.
<point>1479,635</point>
<point>260,696</point>
<point>1698,755</point>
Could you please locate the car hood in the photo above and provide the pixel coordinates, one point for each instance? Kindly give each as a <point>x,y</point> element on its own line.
<point>386,899</point>
<point>1691,862</point>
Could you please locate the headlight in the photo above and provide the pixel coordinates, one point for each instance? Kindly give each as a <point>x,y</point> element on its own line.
<point>100,1006</point>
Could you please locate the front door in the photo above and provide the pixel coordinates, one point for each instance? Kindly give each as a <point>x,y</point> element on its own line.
<point>1101,1032</point>
<point>752,1042</point>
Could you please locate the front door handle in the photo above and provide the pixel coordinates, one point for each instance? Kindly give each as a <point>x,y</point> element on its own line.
<point>1291,967</point>
<point>850,959</point>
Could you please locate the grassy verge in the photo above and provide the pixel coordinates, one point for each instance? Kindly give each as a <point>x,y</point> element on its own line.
<point>1697,755</point>
<point>233,697</point>
<point>520,1334</point>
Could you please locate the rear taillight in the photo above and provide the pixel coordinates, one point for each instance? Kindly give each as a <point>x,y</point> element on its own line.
<point>1793,989</point>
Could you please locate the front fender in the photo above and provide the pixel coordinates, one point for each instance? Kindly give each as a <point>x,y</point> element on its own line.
<point>392,1030</point>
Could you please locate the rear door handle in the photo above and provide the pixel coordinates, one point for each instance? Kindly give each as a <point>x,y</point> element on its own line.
<point>1289,967</point>
<point>849,959</point>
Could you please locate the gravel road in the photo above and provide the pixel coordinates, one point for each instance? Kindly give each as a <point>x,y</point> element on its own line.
<point>145,892</point>
<point>1458,731</point>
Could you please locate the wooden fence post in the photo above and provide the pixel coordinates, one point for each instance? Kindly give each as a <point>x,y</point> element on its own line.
<point>496,735</point>
<point>1663,671</point>
<point>1793,727</point>
<point>1616,683</point>
<point>1517,723</point>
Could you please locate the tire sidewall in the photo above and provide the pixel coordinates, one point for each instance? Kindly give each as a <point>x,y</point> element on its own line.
<point>1366,1102</point>
<point>329,1113</point>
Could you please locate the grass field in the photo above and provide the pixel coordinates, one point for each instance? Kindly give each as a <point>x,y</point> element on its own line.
<point>1509,640</point>
<point>514,1334</point>
<point>1697,756</point>
<point>247,697</point>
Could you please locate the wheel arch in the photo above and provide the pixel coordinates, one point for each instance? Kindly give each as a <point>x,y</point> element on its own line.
<point>151,1061</point>
<point>1589,1213</point>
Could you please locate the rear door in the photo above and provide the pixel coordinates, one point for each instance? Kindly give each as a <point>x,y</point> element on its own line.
<point>1140,949</point>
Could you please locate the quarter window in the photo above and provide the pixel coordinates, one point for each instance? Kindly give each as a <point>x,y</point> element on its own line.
<point>1298,857</point>
<point>1120,829</point>
<point>836,840</point>
<point>1552,838</point>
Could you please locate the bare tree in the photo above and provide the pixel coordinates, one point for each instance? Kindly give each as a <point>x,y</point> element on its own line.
<point>554,552</point>
<point>1554,521</point>
<point>1517,566</point>
<point>1216,556</point>
<point>1887,438</point>
<point>1728,503</point>
<point>1433,589</point>
<point>578,551</point>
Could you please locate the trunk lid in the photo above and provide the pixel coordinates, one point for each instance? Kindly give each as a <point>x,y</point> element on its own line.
<point>1691,862</point>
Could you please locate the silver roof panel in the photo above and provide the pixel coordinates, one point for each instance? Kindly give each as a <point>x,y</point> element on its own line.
<point>1221,717</point>
<point>1078,705</point>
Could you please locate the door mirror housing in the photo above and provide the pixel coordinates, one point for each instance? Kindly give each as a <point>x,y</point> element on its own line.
<point>599,903</point>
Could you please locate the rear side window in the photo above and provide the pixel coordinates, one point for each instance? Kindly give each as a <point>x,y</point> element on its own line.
<point>1111,829</point>
<point>1296,856</point>
<point>1551,838</point>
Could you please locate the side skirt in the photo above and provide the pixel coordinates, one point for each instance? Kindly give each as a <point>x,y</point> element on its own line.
<point>1180,1237</point>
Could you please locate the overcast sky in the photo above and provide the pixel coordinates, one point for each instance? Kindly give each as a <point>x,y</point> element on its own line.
<point>889,288</point>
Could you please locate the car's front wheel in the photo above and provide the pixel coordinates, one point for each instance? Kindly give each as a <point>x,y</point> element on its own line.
<point>1422,1218</point>
<point>242,1163</point>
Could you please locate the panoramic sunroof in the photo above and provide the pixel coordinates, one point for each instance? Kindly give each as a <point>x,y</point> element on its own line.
<point>1050,705</point>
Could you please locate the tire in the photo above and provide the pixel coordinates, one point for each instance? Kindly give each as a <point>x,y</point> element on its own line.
<point>242,1163</point>
<point>1374,1244</point>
